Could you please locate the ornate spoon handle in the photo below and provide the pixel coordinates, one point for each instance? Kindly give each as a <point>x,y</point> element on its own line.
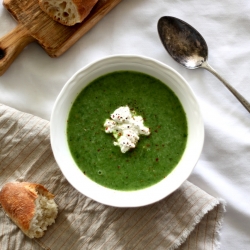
<point>240,98</point>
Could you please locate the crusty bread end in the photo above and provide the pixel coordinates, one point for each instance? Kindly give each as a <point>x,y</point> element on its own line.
<point>30,205</point>
<point>67,12</point>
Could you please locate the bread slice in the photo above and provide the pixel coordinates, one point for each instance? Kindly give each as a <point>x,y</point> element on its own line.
<point>67,12</point>
<point>30,206</point>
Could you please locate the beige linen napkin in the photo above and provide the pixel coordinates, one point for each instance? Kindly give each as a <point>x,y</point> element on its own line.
<point>187,219</point>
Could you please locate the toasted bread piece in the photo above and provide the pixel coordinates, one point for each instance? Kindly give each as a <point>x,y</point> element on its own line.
<point>30,206</point>
<point>67,12</point>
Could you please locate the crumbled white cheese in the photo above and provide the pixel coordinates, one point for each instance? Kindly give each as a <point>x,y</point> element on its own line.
<point>126,128</point>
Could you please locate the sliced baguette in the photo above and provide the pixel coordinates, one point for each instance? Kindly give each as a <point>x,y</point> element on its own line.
<point>67,12</point>
<point>30,206</point>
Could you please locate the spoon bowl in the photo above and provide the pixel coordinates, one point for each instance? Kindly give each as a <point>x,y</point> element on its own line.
<point>183,44</point>
<point>187,47</point>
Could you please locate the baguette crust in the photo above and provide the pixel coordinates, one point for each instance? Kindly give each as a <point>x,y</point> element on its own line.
<point>18,201</point>
<point>67,12</point>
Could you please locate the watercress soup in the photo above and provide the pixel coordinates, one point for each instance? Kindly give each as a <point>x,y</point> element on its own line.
<point>154,156</point>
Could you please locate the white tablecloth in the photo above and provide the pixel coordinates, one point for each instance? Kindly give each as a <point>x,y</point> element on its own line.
<point>34,80</point>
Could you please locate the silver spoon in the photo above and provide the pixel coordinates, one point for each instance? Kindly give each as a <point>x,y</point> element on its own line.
<point>187,47</point>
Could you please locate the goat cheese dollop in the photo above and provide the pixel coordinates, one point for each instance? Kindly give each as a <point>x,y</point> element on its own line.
<point>126,128</point>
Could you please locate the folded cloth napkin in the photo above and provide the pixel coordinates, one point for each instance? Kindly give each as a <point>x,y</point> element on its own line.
<point>189,218</point>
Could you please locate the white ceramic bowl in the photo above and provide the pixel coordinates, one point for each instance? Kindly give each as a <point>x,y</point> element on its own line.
<point>126,198</point>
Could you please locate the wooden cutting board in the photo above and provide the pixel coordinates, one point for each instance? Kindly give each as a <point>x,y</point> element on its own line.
<point>35,25</point>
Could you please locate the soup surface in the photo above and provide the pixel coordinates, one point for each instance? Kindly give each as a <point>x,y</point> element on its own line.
<point>154,157</point>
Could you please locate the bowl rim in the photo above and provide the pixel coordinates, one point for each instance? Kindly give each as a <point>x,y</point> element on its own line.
<point>125,195</point>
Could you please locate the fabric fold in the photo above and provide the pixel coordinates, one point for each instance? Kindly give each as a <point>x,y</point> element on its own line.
<point>189,218</point>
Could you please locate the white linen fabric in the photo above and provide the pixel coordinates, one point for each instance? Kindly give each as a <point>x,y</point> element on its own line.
<point>34,80</point>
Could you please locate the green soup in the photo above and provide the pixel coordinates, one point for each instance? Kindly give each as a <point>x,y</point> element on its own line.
<point>154,157</point>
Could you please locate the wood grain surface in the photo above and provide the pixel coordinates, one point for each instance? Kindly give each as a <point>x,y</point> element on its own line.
<point>35,25</point>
